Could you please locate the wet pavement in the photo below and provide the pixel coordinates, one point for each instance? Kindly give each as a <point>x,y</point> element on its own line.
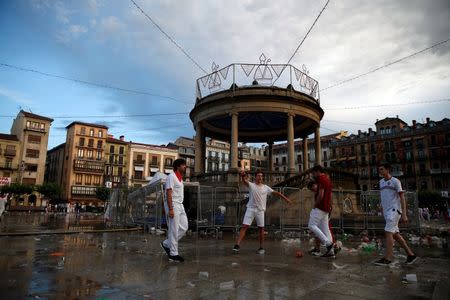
<point>133,266</point>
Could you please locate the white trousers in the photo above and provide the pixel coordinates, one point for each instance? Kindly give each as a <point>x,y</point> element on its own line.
<point>178,225</point>
<point>319,225</point>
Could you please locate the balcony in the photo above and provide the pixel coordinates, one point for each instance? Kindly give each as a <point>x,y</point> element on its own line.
<point>89,166</point>
<point>83,191</point>
<point>446,171</point>
<point>154,164</point>
<point>435,171</point>
<point>10,152</point>
<point>139,162</point>
<point>138,177</point>
<point>33,128</point>
<point>7,166</point>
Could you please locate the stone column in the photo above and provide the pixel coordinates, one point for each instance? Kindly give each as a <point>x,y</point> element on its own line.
<point>305,154</point>
<point>199,150</point>
<point>290,144</point>
<point>318,148</point>
<point>270,157</point>
<point>234,141</point>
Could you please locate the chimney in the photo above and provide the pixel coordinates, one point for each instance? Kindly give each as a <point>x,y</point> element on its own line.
<point>428,120</point>
<point>359,132</point>
<point>122,137</point>
<point>414,124</point>
<point>370,130</point>
<point>397,116</point>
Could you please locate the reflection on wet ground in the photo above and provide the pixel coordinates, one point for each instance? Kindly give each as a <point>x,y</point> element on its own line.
<point>133,266</point>
<point>19,222</point>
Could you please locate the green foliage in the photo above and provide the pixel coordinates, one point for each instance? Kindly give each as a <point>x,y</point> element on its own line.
<point>49,190</point>
<point>102,193</point>
<point>17,189</point>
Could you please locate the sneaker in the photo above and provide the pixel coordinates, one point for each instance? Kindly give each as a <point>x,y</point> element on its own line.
<point>382,262</point>
<point>329,250</point>
<point>236,248</point>
<point>314,251</point>
<point>261,251</point>
<point>165,248</point>
<point>411,259</point>
<point>176,258</point>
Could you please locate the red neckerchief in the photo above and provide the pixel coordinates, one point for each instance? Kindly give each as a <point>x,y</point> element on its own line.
<point>179,176</point>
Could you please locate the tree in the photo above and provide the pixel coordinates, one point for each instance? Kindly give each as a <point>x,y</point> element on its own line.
<point>17,189</point>
<point>102,193</point>
<point>49,190</point>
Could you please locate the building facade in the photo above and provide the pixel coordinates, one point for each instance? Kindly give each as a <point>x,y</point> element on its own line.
<point>418,153</point>
<point>84,165</point>
<point>9,159</point>
<point>145,160</point>
<point>116,162</point>
<point>54,165</point>
<point>280,153</point>
<point>217,156</point>
<point>32,131</point>
<point>186,150</point>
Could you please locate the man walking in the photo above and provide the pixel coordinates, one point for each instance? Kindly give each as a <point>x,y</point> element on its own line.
<point>394,208</point>
<point>319,216</point>
<point>256,207</point>
<point>177,219</point>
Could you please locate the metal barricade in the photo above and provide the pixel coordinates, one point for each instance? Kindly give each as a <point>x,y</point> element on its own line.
<point>350,210</point>
<point>293,216</point>
<point>227,204</point>
<point>205,208</point>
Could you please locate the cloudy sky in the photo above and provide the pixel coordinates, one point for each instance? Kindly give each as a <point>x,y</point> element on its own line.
<point>112,43</point>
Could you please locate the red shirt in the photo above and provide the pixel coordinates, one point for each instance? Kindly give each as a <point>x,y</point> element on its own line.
<point>323,182</point>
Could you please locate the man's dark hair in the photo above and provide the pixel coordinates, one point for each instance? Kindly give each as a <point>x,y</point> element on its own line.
<point>317,168</point>
<point>259,171</point>
<point>387,166</point>
<point>178,162</point>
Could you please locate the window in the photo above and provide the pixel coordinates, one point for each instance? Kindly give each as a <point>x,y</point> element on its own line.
<point>78,179</point>
<point>31,168</point>
<point>111,158</point>
<point>8,163</point>
<point>391,146</point>
<point>154,161</point>
<point>81,142</point>
<point>108,170</point>
<point>32,153</point>
<point>34,139</point>
<point>91,143</point>
<point>100,133</point>
<point>408,155</point>
<point>99,155</point>
<point>121,150</point>
<point>83,130</point>
<point>99,144</point>
<point>97,180</point>
<point>80,153</point>
<point>42,126</point>
<point>139,157</point>
<point>90,154</point>
<point>119,171</point>
<point>88,179</point>
<point>169,162</point>
<point>91,132</point>
<point>111,149</point>
<point>120,160</point>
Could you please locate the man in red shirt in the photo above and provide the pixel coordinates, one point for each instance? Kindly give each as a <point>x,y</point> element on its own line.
<point>319,217</point>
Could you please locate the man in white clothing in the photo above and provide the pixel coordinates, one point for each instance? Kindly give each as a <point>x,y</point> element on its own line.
<point>394,209</point>
<point>256,206</point>
<point>177,222</point>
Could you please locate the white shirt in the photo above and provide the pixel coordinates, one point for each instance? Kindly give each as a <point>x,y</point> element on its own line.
<point>177,187</point>
<point>258,195</point>
<point>2,203</point>
<point>390,198</point>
